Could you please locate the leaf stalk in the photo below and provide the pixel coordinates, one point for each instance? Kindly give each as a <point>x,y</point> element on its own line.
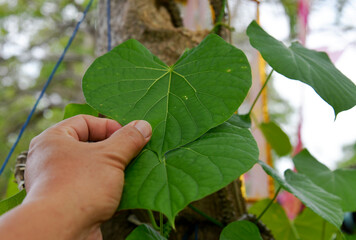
<point>211,219</point>
<point>153,221</point>
<point>218,21</point>
<point>323,230</point>
<point>259,94</point>
<point>269,204</point>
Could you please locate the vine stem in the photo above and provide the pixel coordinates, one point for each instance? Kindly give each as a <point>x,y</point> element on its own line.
<point>153,221</point>
<point>229,20</point>
<point>323,230</point>
<point>161,223</point>
<point>211,219</point>
<point>219,18</point>
<point>259,94</point>
<point>295,232</point>
<point>269,204</point>
<point>222,11</point>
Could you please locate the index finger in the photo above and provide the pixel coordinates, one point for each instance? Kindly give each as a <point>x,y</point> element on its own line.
<point>88,128</point>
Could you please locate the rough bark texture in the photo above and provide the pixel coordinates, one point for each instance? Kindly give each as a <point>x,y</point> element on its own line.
<point>151,24</point>
<point>148,23</point>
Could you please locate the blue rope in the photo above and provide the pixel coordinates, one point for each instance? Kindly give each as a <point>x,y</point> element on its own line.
<point>196,232</point>
<point>45,86</point>
<point>108,15</point>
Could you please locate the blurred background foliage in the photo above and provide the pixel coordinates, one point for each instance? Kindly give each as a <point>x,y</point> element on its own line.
<point>33,34</point>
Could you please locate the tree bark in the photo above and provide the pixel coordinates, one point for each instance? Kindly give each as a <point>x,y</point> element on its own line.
<point>152,25</point>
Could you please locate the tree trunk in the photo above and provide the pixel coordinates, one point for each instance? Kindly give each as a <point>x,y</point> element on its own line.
<point>158,29</point>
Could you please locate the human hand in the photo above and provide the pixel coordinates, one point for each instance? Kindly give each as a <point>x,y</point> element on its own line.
<point>82,180</point>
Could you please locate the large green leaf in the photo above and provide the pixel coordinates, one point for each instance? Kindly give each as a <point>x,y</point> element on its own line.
<point>144,232</point>
<point>275,219</point>
<point>11,202</point>
<point>317,199</point>
<point>310,226</point>
<point>341,182</point>
<point>311,67</point>
<point>190,172</point>
<point>275,136</point>
<point>242,230</point>
<point>181,102</point>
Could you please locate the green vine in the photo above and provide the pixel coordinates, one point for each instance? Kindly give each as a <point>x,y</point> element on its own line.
<point>259,93</point>
<point>269,204</point>
<point>153,221</point>
<point>211,219</point>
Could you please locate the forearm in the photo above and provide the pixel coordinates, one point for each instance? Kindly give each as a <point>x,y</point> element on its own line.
<point>42,220</point>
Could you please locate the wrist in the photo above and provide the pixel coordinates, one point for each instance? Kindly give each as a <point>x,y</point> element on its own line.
<point>58,219</point>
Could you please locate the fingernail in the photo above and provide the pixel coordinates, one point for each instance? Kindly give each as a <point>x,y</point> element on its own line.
<point>143,127</point>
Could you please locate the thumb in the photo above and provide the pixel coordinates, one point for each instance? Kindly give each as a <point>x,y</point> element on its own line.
<point>128,141</point>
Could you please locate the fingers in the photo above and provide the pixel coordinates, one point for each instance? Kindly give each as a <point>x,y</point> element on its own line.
<point>128,141</point>
<point>116,142</point>
<point>88,128</point>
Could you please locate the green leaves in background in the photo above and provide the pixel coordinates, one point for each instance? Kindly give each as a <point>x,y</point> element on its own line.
<point>307,226</point>
<point>11,202</point>
<point>275,219</point>
<point>317,199</point>
<point>340,182</point>
<point>74,109</point>
<point>310,226</point>
<point>242,230</point>
<point>181,102</point>
<point>275,136</point>
<point>12,187</point>
<point>190,172</point>
<point>308,66</point>
<point>350,237</point>
<point>144,232</point>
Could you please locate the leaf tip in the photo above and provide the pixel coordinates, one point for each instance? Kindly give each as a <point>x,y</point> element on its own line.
<point>253,24</point>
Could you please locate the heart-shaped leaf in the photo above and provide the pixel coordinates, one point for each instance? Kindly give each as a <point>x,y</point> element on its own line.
<point>190,172</point>
<point>242,230</point>
<point>275,136</point>
<point>340,182</point>
<point>275,219</point>
<point>181,102</point>
<point>144,232</point>
<point>325,204</point>
<point>308,66</point>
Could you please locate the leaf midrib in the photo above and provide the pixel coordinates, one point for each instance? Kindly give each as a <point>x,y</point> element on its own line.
<point>166,116</point>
